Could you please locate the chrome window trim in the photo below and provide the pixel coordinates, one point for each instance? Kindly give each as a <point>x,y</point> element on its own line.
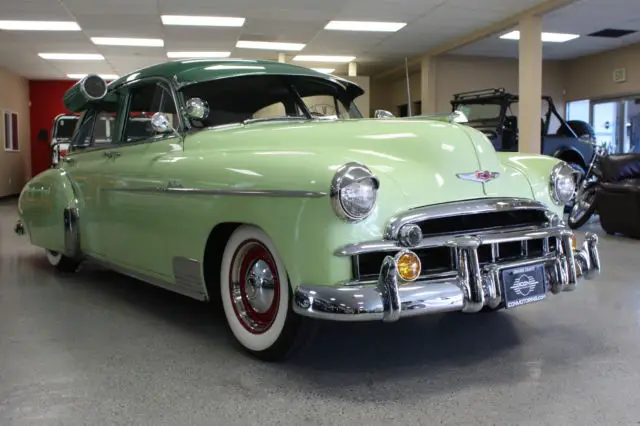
<point>457,208</point>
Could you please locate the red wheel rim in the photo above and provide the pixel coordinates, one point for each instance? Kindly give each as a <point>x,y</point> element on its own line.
<point>254,286</point>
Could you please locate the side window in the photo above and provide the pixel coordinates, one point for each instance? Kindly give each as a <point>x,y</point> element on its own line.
<point>95,128</point>
<point>96,125</point>
<point>145,101</point>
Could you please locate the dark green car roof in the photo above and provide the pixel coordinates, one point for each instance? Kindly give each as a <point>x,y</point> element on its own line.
<point>188,71</point>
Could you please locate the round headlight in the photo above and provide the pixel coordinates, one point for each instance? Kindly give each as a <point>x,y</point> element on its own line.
<point>563,183</point>
<point>354,191</point>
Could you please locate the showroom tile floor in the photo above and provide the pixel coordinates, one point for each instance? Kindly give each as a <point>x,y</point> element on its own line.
<point>97,348</point>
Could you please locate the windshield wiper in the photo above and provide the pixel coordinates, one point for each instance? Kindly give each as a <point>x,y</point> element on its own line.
<point>266,119</point>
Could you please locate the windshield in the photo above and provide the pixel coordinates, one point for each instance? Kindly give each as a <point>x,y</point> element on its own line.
<point>480,112</point>
<point>64,128</point>
<point>271,97</point>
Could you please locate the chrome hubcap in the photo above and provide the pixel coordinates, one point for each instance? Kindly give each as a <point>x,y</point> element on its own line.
<point>254,287</point>
<point>260,283</point>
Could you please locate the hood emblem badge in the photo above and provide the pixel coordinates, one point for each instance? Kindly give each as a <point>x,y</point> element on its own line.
<point>479,176</point>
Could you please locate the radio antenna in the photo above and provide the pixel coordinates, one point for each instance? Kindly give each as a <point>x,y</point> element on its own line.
<point>406,69</point>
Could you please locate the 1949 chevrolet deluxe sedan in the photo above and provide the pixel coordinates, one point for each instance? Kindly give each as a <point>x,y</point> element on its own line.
<point>258,185</point>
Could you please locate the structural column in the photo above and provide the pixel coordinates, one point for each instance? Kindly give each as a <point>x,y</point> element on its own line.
<point>428,86</point>
<point>530,84</point>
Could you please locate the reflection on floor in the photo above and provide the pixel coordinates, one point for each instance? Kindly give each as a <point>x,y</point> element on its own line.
<point>97,347</point>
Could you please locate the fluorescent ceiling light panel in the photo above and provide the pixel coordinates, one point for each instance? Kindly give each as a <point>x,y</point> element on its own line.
<point>324,70</point>
<point>103,76</point>
<point>124,41</point>
<point>39,25</point>
<point>202,21</point>
<point>390,27</point>
<point>546,37</point>
<point>72,56</point>
<point>321,58</point>
<point>268,45</point>
<point>198,54</point>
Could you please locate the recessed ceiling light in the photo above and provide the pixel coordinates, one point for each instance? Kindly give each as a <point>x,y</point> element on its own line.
<point>324,70</point>
<point>72,56</point>
<point>198,54</point>
<point>103,76</point>
<point>124,41</point>
<point>39,25</point>
<point>268,45</point>
<point>545,37</point>
<point>202,21</point>
<point>321,58</point>
<point>365,26</point>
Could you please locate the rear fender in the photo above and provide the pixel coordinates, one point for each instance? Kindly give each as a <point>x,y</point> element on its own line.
<point>49,211</point>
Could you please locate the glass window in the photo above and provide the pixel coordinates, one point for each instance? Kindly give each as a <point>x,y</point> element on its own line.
<point>11,131</point>
<point>64,128</point>
<point>146,100</point>
<point>96,126</point>
<point>236,99</point>
<point>578,110</point>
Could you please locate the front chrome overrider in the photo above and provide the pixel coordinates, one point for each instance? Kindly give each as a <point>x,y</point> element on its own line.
<point>469,290</point>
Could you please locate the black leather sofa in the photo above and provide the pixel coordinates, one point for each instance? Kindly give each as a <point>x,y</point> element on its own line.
<point>618,198</point>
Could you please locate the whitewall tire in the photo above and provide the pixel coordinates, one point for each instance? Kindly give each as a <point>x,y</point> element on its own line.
<point>256,295</point>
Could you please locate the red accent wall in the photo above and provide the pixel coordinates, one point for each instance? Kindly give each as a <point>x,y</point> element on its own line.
<point>45,98</point>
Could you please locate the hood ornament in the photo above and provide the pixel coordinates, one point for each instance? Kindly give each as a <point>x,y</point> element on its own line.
<point>481,176</point>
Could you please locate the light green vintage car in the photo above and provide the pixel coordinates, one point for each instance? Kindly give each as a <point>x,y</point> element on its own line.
<point>259,186</point>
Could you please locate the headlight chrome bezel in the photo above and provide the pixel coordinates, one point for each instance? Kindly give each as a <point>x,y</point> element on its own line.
<point>346,175</point>
<point>561,170</point>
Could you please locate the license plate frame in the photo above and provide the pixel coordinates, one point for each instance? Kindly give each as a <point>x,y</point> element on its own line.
<point>523,285</point>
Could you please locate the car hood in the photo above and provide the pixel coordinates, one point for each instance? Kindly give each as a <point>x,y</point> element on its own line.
<point>420,158</point>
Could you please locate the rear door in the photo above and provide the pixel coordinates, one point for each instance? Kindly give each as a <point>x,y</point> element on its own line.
<point>86,165</point>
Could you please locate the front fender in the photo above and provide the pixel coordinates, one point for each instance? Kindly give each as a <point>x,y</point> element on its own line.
<point>44,203</point>
<point>537,169</point>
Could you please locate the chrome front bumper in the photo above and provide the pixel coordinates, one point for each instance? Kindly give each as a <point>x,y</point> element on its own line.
<point>469,290</point>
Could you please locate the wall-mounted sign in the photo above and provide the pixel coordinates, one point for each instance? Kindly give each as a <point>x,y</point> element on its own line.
<point>619,75</point>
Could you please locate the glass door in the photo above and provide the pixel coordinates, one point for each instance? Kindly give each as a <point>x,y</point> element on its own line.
<point>604,119</point>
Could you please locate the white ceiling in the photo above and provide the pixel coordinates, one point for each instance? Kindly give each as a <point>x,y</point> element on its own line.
<point>430,23</point>
<point>583,17</point>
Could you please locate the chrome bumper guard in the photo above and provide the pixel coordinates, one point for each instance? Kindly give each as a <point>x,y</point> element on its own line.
<point>469,290</point>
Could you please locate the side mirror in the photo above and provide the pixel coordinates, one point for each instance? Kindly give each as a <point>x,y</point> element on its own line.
<point>382,113</point>
<point>160,123</point>
<point>196,108</point>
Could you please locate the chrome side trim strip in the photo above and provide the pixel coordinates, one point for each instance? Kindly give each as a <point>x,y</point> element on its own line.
<point>457,208</point>
<point>243,192</point>
<point>488,237</point>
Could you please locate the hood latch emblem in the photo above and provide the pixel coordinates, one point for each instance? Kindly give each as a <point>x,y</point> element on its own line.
<point>481,176</point>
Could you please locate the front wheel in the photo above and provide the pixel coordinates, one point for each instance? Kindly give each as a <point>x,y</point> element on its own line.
<point>583,207</point>
<point>256,296</point>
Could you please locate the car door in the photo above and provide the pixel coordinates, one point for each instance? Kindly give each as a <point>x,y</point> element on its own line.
<point>137,221</point>
<point>86,166</point>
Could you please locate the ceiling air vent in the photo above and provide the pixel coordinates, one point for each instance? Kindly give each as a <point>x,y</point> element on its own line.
<point>611,33</point>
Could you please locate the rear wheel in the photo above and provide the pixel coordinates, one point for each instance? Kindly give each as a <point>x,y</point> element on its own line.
<point>61,262</point>
<point>256,296</point>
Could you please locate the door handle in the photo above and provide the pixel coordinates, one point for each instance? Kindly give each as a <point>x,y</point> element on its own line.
<point>111,154</point>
